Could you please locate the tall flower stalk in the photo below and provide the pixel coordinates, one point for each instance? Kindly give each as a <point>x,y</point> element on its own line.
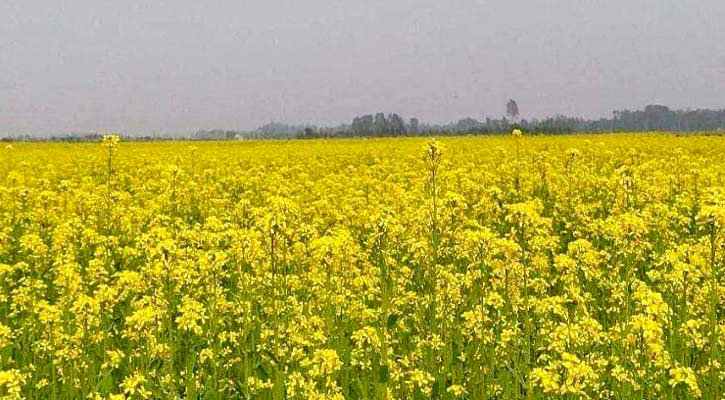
<point>110,143</point>
<point>518,135</point>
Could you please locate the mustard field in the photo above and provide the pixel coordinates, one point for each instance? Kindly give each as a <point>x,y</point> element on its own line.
<point>512,267</point>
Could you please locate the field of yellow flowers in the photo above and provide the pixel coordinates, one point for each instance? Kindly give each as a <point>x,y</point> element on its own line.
<point>466,268</point>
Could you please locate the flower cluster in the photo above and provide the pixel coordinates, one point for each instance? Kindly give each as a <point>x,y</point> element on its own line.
<point>459,268</point>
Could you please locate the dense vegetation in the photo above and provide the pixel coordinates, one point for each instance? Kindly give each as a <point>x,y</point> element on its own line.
<point>472,268</point>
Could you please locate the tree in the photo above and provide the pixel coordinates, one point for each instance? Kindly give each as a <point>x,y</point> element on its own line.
<point>396,125</point>
<point>468,125</point>
<point>363,125</point>
<point>381,124</point>
<point>512,110</point>
<point>413,126</point>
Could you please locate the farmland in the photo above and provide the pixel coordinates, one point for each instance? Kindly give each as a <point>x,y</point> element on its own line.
<point>509,267</point>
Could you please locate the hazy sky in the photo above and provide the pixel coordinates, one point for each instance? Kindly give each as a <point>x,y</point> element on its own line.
<point>143,66</point>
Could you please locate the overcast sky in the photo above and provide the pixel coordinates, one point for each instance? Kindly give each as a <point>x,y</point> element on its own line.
<point>142,66</point>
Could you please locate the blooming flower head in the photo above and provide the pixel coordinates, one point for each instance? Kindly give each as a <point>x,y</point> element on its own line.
<point>686,376</point>
<point>110,140</point>
<point>433,153</point>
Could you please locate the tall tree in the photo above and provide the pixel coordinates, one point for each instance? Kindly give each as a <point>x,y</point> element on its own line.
<point>413,126</point>
<point>512,110</point>
<point>381,124</point>
<point>396,125</point>
<point>363,125</point>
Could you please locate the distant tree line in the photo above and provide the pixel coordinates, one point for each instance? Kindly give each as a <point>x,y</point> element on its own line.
<point>651,118</point>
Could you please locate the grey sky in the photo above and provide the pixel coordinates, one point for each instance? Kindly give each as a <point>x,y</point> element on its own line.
<point>142,66</point>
